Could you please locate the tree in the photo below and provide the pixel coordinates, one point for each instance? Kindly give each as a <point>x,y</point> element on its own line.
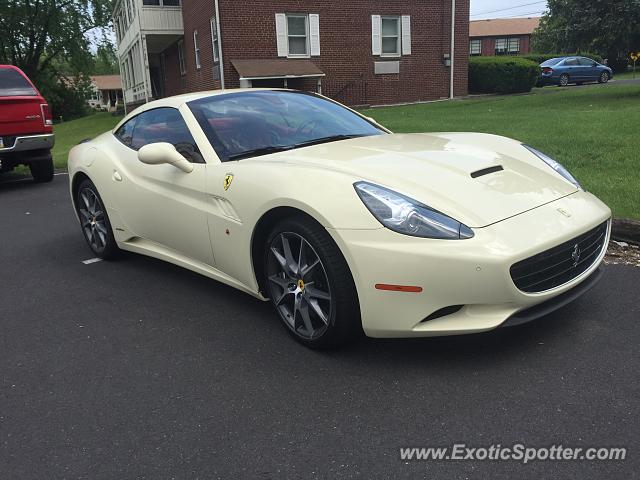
<point>610,28</point>
<point>38,33</point>
<point>105,61</point>
<point>48,40</point>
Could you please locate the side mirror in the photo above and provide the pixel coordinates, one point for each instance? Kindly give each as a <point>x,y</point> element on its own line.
<point>162,152</point>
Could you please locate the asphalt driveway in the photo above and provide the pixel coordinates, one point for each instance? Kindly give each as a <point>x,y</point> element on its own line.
<point>139,369</point>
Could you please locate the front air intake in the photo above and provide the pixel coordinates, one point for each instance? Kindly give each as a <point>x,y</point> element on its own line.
<point>560,264</point>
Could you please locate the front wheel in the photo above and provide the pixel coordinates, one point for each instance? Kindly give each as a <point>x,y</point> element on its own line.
<point>564,80</point>
<point>94,221</point>
<point>310,284</point>
<point>604,77</point>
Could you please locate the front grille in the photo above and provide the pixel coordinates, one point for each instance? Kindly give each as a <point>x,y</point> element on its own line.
<point>560,264</point>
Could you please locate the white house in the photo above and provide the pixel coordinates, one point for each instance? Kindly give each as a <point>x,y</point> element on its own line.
<point>106,92</point>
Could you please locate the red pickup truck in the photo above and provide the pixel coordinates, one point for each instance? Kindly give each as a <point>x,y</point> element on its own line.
<point>26,126</point>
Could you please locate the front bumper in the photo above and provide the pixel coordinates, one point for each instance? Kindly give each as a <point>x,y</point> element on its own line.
<point>26,143</point>
<point>473,273</point>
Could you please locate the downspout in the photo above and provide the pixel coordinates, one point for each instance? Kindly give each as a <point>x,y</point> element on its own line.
<point>220,46</point>
<point>143,54</point>
<point>453,46</point>
<point>124,90</point>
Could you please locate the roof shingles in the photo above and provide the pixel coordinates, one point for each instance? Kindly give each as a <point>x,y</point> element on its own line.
<point>503,26</point>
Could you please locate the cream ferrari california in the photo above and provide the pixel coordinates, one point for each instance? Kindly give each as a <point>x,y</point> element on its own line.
<point>342,225</point>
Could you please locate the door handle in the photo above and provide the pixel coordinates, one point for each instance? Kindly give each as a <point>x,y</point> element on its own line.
<point>116,176</point>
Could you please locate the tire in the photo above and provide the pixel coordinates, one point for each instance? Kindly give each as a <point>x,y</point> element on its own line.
<point>316,302</point>
<point>564,80</point>
<point>42,170</point>
<point>94,221</point>
<point>604,77</point>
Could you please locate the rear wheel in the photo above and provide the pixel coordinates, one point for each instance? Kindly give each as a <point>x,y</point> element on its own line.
<point>564,80</point>
<point>94,221</point>
<point>42,170</point>
<point>310,284</point>
<point>604,77</point>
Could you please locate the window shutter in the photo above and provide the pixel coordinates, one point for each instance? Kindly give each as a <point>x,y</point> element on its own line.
<point>406,35</point>
<point>314,34</point>
<point>281,34</point>
<point>376,34</point>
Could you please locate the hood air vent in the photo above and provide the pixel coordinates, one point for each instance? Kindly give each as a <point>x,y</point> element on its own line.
<point>486,171</point>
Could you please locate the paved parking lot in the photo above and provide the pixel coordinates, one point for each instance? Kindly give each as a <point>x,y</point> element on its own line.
<point>139,369</point>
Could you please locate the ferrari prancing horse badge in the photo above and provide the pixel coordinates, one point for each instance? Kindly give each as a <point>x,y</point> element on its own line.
<point>228,178</point>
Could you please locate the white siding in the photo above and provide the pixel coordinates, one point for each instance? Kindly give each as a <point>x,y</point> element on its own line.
<point>165,19</point>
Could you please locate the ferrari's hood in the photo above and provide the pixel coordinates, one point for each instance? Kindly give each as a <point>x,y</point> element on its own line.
<point>475,178</point>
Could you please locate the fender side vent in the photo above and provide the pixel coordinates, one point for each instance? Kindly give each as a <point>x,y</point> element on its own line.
<point>443,312</point>
<point>486,171</point>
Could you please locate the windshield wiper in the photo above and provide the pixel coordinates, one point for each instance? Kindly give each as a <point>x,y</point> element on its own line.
<point>281,148</point>
<point>256,152</point>
<point>332,138</point>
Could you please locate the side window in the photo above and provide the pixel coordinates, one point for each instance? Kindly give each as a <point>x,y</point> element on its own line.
<point>571,62</point>
<point>165,125</point>
<point>585,62</point>
<point>125,132</point>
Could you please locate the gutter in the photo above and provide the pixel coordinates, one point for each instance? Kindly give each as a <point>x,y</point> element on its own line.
<point>453,46</point>
<point>220,46</point>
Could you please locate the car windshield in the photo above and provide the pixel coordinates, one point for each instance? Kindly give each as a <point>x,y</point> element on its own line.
<point>248,124</point>
<point>551,62</point>
<point>12,84</point>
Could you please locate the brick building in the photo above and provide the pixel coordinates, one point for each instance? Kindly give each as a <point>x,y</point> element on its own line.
<point>358,52</point>
<point>501,36</point>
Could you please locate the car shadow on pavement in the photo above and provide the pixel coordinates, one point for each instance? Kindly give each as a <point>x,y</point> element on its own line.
<point>255,322</point>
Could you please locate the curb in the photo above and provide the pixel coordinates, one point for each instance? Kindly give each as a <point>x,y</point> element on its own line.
<point>626,230</point>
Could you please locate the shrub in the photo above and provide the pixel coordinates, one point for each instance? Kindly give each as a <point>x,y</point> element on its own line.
<point>66,96</point>
<point>502,74</point>
<point>543,57</point>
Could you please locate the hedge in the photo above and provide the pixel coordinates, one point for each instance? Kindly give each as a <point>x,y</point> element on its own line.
<point>543,57</point>
<point>502,74</point>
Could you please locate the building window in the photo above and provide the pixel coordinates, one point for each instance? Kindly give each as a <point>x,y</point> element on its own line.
<point>183,67</point>
<point>161,3</point>
<point>501,46</point>
<point>514,46</point>
<point>475,47</point>
<point>391,36</point>
<point>214,40</point>
<point>196,49</point>
<point>298,35</point>
<point>132,12</point>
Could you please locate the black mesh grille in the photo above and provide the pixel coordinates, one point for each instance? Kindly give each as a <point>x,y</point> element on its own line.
<point>560,264</point>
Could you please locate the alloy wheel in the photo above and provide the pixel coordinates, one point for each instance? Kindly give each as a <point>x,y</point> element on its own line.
<point>92,219</point>
<point>298,285</point>
<point>604,78</point>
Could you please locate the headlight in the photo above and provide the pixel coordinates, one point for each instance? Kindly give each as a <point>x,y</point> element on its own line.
<point>555,165</point>
<point>404,215</point>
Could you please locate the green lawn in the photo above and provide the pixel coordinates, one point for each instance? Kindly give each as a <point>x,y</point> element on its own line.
<point>627,75</point>
<point>69,134</point>
<point>593,131</point>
